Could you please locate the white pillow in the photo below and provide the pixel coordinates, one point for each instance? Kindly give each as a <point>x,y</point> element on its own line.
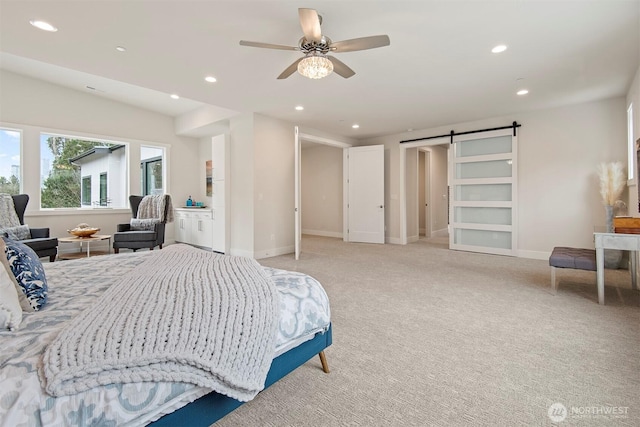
<point>10,310</point>
<point>22,297</point>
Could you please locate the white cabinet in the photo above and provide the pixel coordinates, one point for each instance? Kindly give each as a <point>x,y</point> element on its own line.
<point>194,226</point>
<point>219,231</point>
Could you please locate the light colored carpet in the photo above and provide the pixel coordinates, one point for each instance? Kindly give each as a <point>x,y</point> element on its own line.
<point>428,336</point>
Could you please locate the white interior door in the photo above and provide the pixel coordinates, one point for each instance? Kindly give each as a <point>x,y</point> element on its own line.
<point>366,194</point>
<point>297,210</point>
<point>483,199</point>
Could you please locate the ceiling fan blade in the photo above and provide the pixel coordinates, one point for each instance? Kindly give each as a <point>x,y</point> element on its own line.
<point>341,68</point>
<point>362,43</point>
<point>267,45</point>
<point>290,70</point>
<point>310,23</point>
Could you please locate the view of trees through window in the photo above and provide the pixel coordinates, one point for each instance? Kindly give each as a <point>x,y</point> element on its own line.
<point>61,180</point>
<point>9,161</point>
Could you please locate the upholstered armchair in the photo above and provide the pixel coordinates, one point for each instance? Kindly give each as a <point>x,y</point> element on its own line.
<point>147,227</point>
<point>36,238</point>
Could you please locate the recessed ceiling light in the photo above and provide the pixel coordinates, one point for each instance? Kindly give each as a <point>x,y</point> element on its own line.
<point>211,79</point>
<point>43,25</point>
<point>174,96</point>
<point>410,130</point>
<point>356,126</point>
<point>121,48</point>
<point>498,49</point>
<point>299,107</point>
<point>522,92</point>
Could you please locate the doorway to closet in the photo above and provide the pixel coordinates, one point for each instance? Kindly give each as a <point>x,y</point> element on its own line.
<point>481,192</point>
<point>361,202</point>
<point>426,196</point>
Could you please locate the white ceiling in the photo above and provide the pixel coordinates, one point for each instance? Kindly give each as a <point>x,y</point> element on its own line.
<point>438,69</point>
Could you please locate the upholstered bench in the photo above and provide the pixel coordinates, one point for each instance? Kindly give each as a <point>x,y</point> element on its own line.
<point>576,258</point>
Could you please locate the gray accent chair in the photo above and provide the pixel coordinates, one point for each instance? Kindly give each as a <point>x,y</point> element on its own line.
<point>127,238</point>
<point>40,242</point>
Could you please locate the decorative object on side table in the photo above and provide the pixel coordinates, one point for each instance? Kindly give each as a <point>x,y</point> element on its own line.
<point>83,230</point>
<point>612,183</point>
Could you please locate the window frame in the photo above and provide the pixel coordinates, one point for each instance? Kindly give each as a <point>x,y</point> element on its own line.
<point>83,191</point>
<point>104,184</point>
<point>91,138</point>
<point>20,132</point>
<point>144,173</point>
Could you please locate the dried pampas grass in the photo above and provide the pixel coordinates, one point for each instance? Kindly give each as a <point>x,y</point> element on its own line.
<point>612,181</point>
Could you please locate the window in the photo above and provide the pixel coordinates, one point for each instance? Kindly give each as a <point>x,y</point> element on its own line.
<point>10,161</point>
<point>151,170</point>
<point>104,198</point>
<point>631,146</point>
<point>86,191</point>
<point>65,159</point>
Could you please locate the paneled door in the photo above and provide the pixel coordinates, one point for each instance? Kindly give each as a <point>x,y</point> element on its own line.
<point>366,194</point>
<point>483,204</point>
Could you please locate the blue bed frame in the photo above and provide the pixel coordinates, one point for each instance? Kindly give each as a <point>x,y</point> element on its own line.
<point>210,408</point>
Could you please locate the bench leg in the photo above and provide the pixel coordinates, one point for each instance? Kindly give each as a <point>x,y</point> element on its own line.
<point>554,285</point>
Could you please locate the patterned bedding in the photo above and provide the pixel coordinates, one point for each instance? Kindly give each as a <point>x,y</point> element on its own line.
<point>73,286</point>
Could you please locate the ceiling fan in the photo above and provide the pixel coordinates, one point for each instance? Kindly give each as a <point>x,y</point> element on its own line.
<point>316,62</point>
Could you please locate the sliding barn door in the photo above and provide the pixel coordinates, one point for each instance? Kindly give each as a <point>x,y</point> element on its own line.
<point>483,198</point>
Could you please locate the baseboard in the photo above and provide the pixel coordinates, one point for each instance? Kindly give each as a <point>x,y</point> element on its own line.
<point>240,252</point>
<point>533,254</point>
<point>322,233</point>
<point>440,233</point>
<point>267,253</point>
<point>413,239</point>
<point>422,231</point>
<point>393,240</point>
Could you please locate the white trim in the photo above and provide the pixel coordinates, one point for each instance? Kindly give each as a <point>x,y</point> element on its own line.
<point>322,233</point>
<point>394,241</point>
<point>413,239</point>
<point>443,232</point>
<point>473,204</point>
<point>241,252</point>
<point>267,253</point>
<point>324,141</point>
<point>534,254</point>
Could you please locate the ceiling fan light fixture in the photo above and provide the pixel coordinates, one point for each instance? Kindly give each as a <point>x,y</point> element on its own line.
<point>315,66</point>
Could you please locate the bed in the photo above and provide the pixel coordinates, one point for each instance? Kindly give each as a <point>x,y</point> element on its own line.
<point>303,331</point>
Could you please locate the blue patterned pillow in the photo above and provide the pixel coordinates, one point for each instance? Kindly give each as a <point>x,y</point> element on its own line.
<point>28,271</point>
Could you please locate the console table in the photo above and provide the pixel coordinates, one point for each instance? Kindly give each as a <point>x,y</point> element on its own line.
<point>625,242</point>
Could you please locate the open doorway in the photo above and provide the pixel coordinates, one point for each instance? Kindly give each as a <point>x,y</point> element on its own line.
<point>321,180</point>
<point>424,193</point>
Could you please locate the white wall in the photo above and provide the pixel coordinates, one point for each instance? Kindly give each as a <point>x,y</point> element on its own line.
<point>273,187</point>
<point>322,189</point>
<point>241,187</point>
<point>35,106</point>
<point>559,151</point>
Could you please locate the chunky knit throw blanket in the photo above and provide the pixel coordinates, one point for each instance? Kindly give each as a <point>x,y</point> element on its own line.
<point>185,315</point>
<point>8,215</point>
<point>155,207</point>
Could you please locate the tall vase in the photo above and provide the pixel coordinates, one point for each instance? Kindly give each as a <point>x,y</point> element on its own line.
<point>612,257</point>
